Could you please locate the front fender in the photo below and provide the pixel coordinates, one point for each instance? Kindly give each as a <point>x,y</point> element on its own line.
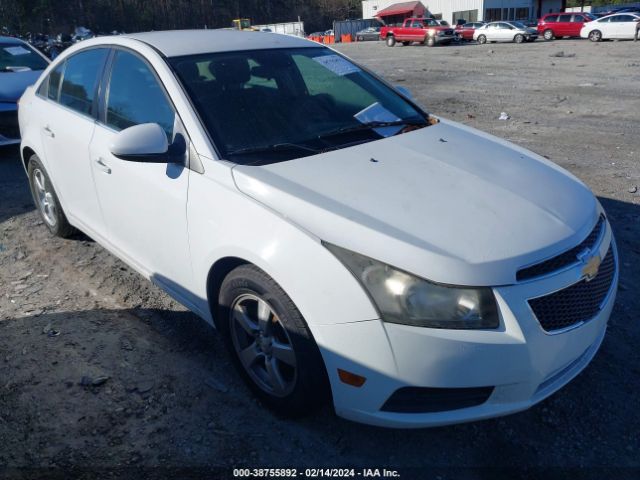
<point>223,222</point>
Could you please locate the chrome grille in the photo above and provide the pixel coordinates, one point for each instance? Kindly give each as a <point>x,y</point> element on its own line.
<point>579,302</point>
<point>564,259</point>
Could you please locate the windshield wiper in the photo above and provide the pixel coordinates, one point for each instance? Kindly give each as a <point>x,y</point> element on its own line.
<point>277,147</point>
<point>371,126</point>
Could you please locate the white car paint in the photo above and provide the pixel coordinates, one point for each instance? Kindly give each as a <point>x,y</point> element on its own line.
<point>503,31</point>
<point>446,202</point>
<point>620,26</point>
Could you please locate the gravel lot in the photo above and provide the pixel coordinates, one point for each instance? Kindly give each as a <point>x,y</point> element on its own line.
<point>99,369</point>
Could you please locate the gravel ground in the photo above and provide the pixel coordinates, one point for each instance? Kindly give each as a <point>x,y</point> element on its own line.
<point>100,370</point>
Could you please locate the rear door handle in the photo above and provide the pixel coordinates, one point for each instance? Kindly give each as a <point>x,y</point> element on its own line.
<point>103,166</point>
<point>48,132</point>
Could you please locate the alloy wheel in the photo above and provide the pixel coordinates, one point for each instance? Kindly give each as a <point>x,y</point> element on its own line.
<point>46,201</point>
<point>262,345</point>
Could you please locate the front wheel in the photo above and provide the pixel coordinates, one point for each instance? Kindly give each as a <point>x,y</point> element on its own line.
<point>361,39</point>
<point>482,39</point>
<point>430,41</point>
<point>271,343</point>
<point>391,41</point>
<point>46,200</point>
<point>518,38</point>
<point>548,34</point>
<point>595,35</point>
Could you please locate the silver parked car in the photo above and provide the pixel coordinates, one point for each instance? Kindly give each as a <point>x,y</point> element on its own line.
<point>510,31</point>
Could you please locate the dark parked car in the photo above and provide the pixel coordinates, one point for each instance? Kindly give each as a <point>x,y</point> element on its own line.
<point>371,33</point>
<point>20,66</point>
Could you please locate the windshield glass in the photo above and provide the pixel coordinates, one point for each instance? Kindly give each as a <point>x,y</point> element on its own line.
<point>15,56</point>
<point>519,25</point>
<point>265,106</point>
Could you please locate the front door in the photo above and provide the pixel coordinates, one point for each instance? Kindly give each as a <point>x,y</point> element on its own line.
<point>143,204</point>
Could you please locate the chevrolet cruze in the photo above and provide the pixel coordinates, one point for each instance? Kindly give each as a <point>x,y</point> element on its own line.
<point>350,246</point>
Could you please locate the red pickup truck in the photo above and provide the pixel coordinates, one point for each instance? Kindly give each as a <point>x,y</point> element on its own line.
<point>426,31</point>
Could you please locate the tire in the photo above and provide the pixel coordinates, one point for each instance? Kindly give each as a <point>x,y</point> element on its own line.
<point>391,41</point>
<point>482,39</point>
<point>430,41</point>
<point>595,35</point>
<point>548,34</point>
<point>361,39</point>
<point>406,44</point>
<point>46,200</point>
<point>518,38</point>
<point>292,382</point>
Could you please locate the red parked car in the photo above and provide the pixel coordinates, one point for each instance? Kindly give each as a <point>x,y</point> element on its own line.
<point>465,31</point>
<point>558,25</point>
<point>426,31</point>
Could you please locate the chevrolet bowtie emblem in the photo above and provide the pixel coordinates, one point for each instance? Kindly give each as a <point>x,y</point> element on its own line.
<point>591,266</point>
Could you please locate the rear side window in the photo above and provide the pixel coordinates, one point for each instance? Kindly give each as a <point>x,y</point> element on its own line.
<point>81,76</point>
<point>135,96</point>
<point>564,18</point>
<point>52,84</point>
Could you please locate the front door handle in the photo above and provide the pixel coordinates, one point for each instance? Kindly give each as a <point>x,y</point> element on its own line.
<point>103,166</point>
<point>48,132</point>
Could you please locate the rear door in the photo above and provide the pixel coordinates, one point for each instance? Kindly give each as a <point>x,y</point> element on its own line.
<point>67,123</point>
<point>143,204</point>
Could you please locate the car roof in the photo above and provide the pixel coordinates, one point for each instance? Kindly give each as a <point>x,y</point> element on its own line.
<point>177,43</point>
<point>17,41</point>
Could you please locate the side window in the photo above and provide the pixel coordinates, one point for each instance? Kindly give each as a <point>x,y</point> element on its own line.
<point>564,18</point>
<point>135,96</point>
<point>551,18</point>
<point>81,77</point>
<point>53,90</point>
<point>416,24</point>
<point>578,18</point>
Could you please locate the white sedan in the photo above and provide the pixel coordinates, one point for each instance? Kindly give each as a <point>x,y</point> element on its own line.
<point>621,26</point>
<point>350,246</point>
<point>510,31</point>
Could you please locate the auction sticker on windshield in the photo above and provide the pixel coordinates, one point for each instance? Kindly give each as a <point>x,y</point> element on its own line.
<point>337,64</point>
<point>15,51</point>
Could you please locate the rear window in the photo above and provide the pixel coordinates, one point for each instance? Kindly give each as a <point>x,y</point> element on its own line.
<point>81,76</point>
<point>18,56</point>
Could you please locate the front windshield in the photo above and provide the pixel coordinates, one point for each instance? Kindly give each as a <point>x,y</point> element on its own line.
<point>17,56</point>
<point>519,25</point>
<point>274,105</point>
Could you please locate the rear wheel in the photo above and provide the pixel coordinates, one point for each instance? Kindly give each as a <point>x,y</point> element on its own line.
<point>548,34</point>
<point>518,38</point>
<point>482,39</point>
<point>391,41</point>
<point>46,200</point>
<point>361,39</point>
<point>271,343</point>
<point>595,35</point>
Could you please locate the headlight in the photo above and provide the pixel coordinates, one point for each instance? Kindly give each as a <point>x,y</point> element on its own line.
<point>403,298</point>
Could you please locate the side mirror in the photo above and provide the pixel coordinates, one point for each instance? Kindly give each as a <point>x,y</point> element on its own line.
<point>404,91</point>
<point>146,142</point>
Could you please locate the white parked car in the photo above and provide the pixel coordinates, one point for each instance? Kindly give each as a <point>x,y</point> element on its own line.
<point>505,31</point>
<point>620,26</point>
<point>347,244</point>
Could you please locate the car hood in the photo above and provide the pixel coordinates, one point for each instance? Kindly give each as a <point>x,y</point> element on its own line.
<point>446,202</point>
<point>13,84</point>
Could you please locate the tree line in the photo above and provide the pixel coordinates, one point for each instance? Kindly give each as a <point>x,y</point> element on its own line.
<point>103,16</point>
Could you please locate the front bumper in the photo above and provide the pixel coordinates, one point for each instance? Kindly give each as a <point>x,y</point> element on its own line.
<point>521,361</point>
<point>9,128</point>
